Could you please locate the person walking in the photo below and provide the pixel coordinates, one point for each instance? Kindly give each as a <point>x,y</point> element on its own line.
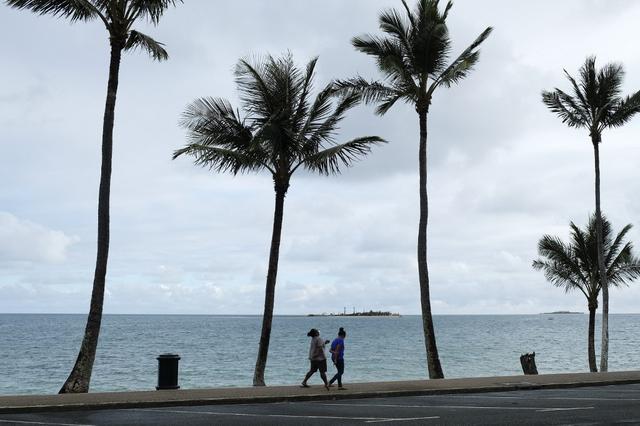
<point>337,356</point>
<point>317,358</point>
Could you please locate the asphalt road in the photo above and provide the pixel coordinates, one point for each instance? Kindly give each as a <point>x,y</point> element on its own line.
<point>578,406</point>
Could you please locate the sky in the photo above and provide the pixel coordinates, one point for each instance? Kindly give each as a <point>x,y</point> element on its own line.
<point>503,170</point>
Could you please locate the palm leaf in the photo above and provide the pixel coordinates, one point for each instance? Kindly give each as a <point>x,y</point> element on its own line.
<point>623,110</point>
<point>137,40</point>
<point>330,160</point>
<point>370,92</point>
<point>74,10</point>
<point>463,64</point>
<point>149,9</point>
<point>556,101</point>
<point>220,159</point>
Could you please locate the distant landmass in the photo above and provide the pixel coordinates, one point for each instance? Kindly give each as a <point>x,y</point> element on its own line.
<point>561,312</point>
<point>358,314</point>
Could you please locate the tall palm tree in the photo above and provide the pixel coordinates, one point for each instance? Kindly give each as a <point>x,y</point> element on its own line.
<point>118,16</point>
<point>413,56</point>
<point>283,129</point>
<point>596,105</point>
<point>574,266</point>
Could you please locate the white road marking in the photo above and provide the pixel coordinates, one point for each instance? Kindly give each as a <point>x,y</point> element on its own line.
<point>24,422</point>
<point>564,409</point>
<point>402,419</point>
<point>468,407</point>
<point>292,416</point>
<point>555,398</point>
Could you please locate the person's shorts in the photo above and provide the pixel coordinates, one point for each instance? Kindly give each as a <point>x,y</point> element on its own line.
<point>319,365</point>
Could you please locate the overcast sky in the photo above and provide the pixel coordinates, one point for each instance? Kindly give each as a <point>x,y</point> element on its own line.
<point>503,170</point>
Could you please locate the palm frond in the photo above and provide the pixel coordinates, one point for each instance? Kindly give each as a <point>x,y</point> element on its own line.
<point>220,159</point>
<point>464,63</point>
<point>74,10</point>
<point>390,56</point>
<point>562,255</point>
<point>318,113</point>
<point>322,131</point>
<point>302,108</point>
<point>609,83</point>
<point>384,106</point>
<point>149,9</point>
<point>612,248</point>
<point>558,275</point>
<point>584,105</point>
<point>213,122</point>
<point>556,101</point>
<point>330,160</point>
<point>370,92</point>
<point>155,49</point>
<point>392,23</point>
<point>623,110</point>
<point>255,91</point>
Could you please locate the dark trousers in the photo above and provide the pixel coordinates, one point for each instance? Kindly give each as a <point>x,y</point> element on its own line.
<point>338,376</point>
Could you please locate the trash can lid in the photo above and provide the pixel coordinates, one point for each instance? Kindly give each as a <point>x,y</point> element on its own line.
<point>169,356</point>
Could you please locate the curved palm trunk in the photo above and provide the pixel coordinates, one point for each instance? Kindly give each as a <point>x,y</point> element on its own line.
<point>433,361</point>
<point>604,354</point>
<point>80,376</point>
<point>593,305</point>
<point>267,317</point>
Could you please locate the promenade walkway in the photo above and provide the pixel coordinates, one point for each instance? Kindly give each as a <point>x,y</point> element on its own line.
<point>186,397</point>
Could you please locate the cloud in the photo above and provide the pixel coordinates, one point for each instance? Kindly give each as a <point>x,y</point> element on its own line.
<point>25,241</point>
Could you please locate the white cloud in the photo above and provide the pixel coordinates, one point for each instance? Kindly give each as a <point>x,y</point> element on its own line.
<point>25,241</point>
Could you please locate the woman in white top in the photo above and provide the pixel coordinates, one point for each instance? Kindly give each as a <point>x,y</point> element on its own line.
<point>317,358</point>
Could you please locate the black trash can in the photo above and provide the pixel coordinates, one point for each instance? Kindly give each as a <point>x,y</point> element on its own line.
<point>168,371</point>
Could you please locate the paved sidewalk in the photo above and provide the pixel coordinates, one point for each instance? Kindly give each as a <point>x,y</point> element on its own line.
<point>92,401</point>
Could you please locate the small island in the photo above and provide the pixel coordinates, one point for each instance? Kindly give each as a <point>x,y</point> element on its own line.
<point>358,314</point>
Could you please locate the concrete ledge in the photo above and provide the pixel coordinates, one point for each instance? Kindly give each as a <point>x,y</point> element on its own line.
<point>252,395</point>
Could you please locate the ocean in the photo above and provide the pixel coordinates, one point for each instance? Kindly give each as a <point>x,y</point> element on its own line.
<point>37,351</point>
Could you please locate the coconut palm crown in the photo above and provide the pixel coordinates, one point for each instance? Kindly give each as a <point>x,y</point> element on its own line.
<point>118,16</point>
<point>595,104</point>
<point>414,57</point>
<point>573,266</point>
<point>283,129</point>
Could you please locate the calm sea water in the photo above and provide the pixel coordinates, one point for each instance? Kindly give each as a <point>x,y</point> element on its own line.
<point>37,351</point>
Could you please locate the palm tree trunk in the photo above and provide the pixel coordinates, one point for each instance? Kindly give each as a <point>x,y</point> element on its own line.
<point>267,317</point>
<point>433,361</point>
<point>604,354</point>
<point>80,376</point>
<point>593,305</point>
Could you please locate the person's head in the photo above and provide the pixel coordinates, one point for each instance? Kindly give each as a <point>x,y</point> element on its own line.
<point>313,333</point>
<point>342,333</point>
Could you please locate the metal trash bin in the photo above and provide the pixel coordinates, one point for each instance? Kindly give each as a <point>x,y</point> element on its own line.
<point>168,371</point>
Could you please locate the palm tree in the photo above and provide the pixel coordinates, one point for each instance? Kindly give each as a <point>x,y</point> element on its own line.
<point>574,266</point>
<point>413,56</point>
<point>118,16</point>
<point>596,105</point>
<point>283,129</point>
